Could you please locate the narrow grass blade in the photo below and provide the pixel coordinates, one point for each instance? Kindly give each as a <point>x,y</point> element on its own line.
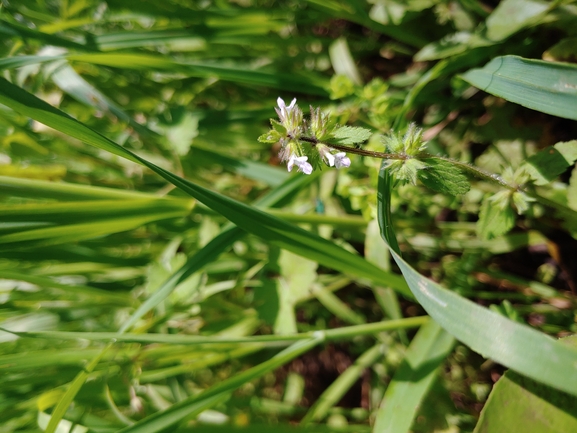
<point>11,29</point>
<point>33,188</point>
<point>67,79</point>
<point>339,387</point>
<point>275,80</point>
<point>413,379</point>
<point>337,334</point>
<point>71,392</point>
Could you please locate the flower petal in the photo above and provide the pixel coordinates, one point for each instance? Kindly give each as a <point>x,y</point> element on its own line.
<point>341,160</point>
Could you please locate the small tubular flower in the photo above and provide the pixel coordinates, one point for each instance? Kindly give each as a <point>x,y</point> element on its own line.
<point>342,160</point>
<point>282,110</point>
<point>326,155</point>
<point>301,163</point>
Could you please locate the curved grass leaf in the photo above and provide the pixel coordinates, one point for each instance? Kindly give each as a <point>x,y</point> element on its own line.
<point>252,220</point>
<point>516,346</point>
<point>206,255</point>
<point>549,87</point>
<point>19,61</point>
<point>67,79</point>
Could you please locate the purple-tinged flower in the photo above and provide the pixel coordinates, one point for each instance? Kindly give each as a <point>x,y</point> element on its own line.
<point>341,160</point>
<point>301,163</point>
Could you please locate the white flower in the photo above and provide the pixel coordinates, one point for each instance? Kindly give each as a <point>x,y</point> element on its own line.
<point>326,155</point>
<point>301,163</point>
<point>341,160</point>
<point>282,110</point>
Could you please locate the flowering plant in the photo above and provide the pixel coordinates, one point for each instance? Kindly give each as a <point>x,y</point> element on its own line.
<point>320,141</point>
<point>305,144</point>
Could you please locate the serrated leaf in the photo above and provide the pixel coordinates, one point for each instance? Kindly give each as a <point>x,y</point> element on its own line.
<point>494,220</point>
<point>444,177</point>
<point>270,137</point>
<point>350,135</point>
<point>546,165</point>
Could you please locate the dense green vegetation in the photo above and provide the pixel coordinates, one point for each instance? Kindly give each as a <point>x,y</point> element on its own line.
<point>161,270</point>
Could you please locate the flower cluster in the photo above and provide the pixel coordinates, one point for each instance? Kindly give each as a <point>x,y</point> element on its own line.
<point>302,146</point>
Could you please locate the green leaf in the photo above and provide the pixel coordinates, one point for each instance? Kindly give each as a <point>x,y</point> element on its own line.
<point>413,379</point>
<point>519,347</point>
<point>510,16</point>
<point>494,219</point>
<point>346,135</point>
<point>450,45</point>
<point>521,404</point>
<point>442,176</point>
<point>343,62</point>
<point>67,79</point>
<point>549,87</point>
<point>552,161</point>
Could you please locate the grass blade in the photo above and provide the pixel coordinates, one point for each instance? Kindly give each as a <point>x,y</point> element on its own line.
<point>549,87</point>
<point>413,379</point>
